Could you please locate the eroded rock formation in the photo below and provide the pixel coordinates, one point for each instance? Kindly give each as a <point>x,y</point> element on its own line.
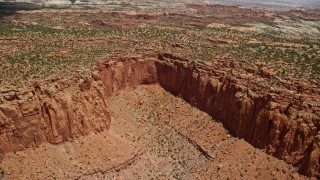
<point>267,121</point>
<point>53,113</point>
<point>117,74</point>
<point>57,111</point>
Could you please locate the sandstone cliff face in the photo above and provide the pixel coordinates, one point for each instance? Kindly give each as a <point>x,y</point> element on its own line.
<point>57,111</point>
<point>52,113</point>
<point>265,120</point>
<point>126,73</point>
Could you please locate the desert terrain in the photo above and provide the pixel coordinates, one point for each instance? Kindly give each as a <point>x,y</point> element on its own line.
<point>158,90</point>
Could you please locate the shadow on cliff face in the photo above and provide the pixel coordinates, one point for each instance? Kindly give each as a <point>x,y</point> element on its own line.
<point>10,8</point>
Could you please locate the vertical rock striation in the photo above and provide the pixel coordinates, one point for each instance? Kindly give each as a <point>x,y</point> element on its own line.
<point>52,113</point>
<point>265,120</point>
<point>57,111</point>
<point>125,73</point>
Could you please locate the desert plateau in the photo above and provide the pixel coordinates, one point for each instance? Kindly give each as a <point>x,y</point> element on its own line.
<point>186,89</point>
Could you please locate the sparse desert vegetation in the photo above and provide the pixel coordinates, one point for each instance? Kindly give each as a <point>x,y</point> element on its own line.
<point>58,43</point>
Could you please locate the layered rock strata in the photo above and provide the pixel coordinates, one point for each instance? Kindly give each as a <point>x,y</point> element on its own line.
<point>274,122</point>
<point>57,111</point>
<point>285,124</point>
<point>52,113</point>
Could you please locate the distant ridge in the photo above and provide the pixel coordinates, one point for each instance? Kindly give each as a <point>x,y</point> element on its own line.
<point>16,6</point>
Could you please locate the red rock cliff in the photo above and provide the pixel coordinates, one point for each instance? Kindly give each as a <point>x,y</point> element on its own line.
<point>126,73</point>
<point>52,113</point>
<point>58,111</point>
<point>265,120</point>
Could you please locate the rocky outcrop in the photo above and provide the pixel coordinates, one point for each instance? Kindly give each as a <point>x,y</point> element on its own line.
<point>265,120</point>
<point>285,124</point>
<point>118,74</point>
<point>52,113</point>
<point>56,111</point>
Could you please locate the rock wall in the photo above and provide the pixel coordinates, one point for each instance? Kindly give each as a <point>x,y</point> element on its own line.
<point>262,119</point>
<point>57,111</point>
<point>52,113</point>
<point>126,73</point>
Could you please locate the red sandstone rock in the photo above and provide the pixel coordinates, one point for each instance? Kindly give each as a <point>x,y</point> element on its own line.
<point>61,110</point>
<point>52,114</point>
<point>126,73</point>
<point>286,131</point>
